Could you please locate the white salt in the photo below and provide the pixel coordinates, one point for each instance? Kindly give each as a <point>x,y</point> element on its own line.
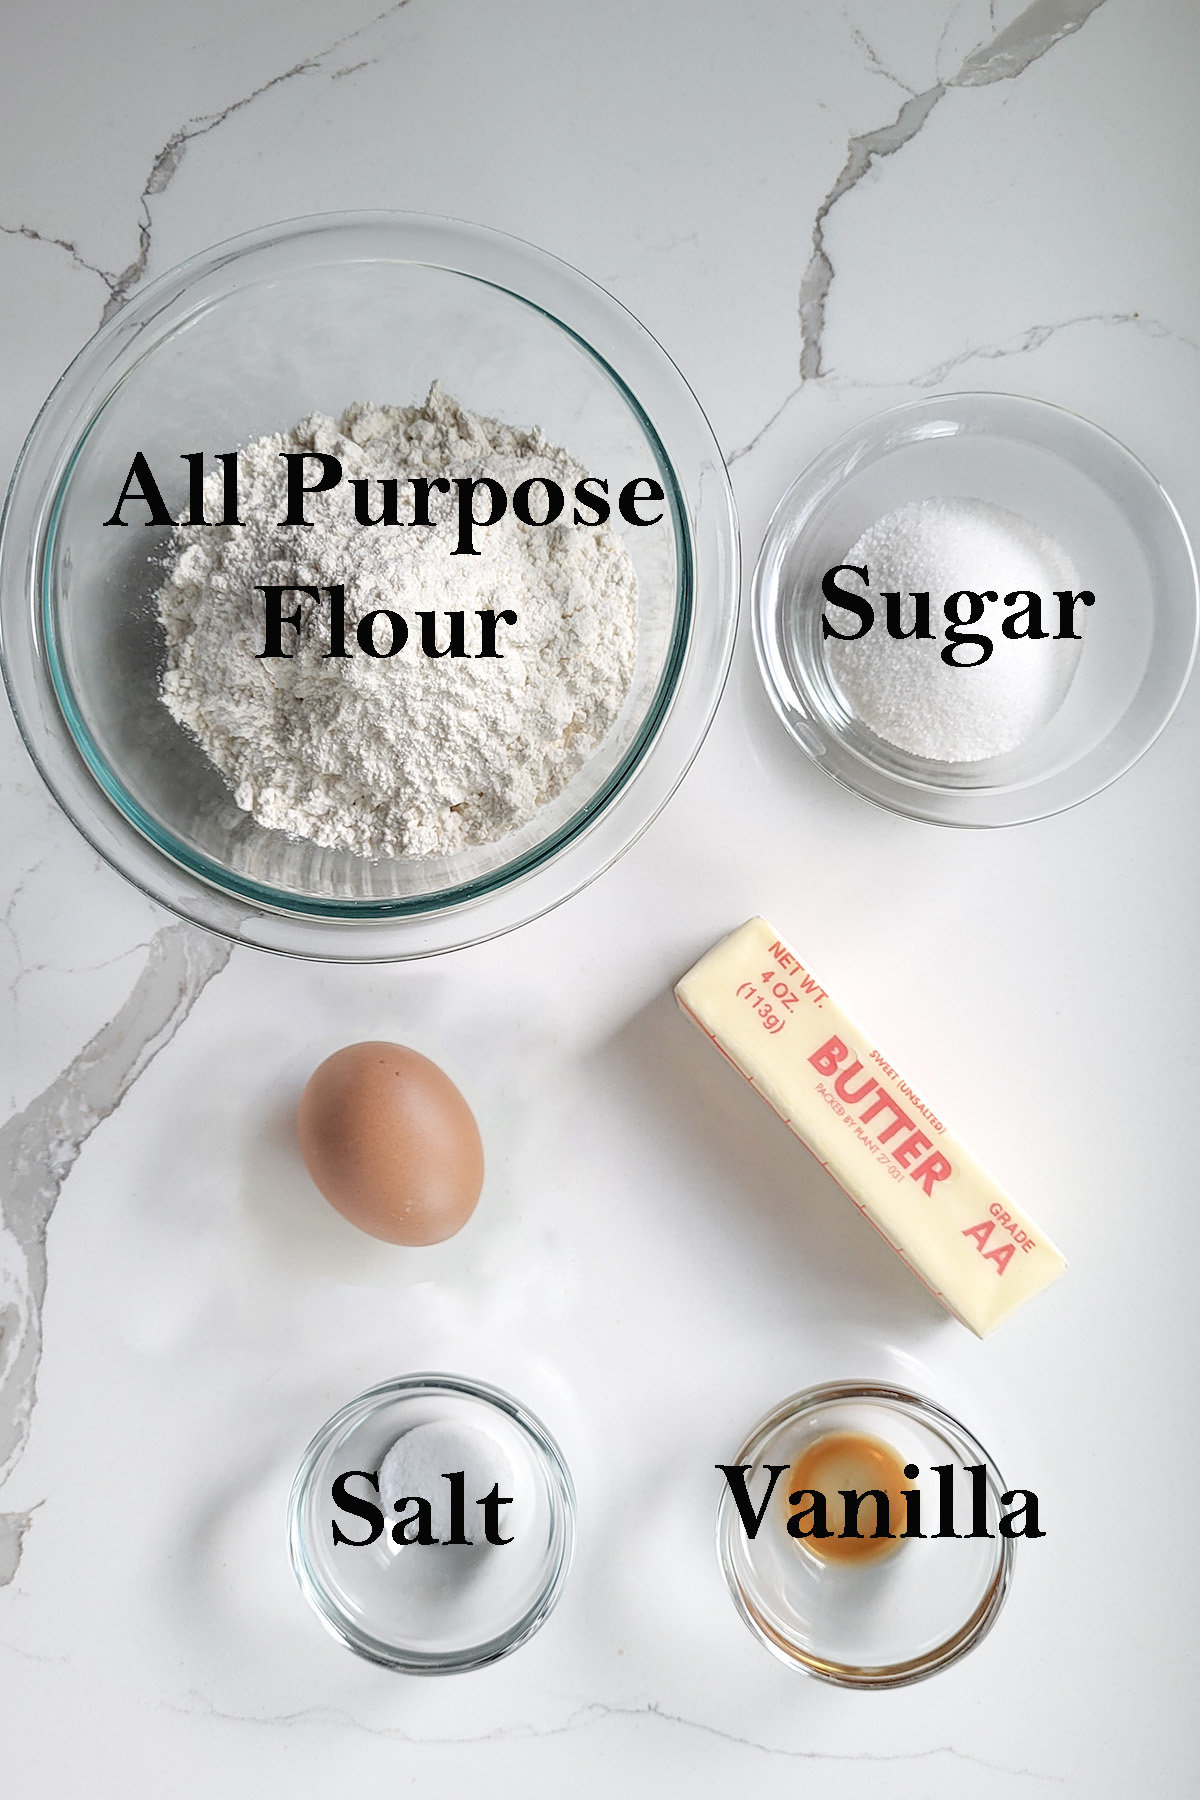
<point>901,688</point>
<point>418,1463</point>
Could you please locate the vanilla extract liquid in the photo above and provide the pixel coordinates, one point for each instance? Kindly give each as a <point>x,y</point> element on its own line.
<point>829,1469</point>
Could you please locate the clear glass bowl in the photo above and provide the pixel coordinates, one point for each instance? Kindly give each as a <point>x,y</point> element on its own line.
<point>432,1609</point>
<point>247,339</point>
<point>871,1625</point>
<point>1083,489</point>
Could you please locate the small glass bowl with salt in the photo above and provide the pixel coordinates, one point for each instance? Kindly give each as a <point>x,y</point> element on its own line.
<point>432,1524</point>
<point>975,610</point>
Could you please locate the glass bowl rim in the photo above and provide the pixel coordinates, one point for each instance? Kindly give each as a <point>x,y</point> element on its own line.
<point>803,501</point>
<point>559,1487</point>
<point>886,1675</point>
<point>692,678</point>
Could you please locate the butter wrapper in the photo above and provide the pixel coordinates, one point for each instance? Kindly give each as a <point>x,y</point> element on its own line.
<point>950,1221</point>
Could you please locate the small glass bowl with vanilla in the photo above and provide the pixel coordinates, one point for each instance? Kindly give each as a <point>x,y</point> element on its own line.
<point>914,1568</point>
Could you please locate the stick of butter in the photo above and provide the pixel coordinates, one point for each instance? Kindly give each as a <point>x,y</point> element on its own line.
<point>953,1225</point>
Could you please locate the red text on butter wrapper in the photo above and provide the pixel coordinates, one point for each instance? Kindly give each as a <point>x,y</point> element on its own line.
<point>935,1167</point>
<point>828,1060</point>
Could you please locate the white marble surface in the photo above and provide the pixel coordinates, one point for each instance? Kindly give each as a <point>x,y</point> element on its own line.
<point>820,210</point>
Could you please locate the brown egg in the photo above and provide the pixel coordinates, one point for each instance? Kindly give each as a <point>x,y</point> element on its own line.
<point>391,1143</point>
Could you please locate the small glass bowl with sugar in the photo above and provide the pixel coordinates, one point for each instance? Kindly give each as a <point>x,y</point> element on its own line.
<point>975,610</point>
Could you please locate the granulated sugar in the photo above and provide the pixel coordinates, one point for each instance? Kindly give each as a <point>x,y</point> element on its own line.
<point>901,688</point>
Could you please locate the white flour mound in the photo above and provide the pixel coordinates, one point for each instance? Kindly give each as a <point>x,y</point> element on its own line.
<point>410,755</point>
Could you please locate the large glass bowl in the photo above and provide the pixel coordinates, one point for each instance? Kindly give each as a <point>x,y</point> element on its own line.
<point>244,340</point>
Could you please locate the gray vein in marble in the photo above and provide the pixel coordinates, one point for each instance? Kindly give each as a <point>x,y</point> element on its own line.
<point>39,1146</point>
<point>6,918</point>
<point>943,34</point>
<point>13,1527</point>
<point>1031,34</point>
<point>39,237</point>
<point>1009,54</point>
<point>760,434</point>
<point>53,963</point>
<point>653,1710</point>
<point>38,1149</point>
<point>1036,335</point>
<point>121,283</point>
<point>1034,32</point>
<point>874,61</point>
<point>596,1712</point>
<point>166,163</point>
<point>32,1656</point>
<point>862,152</point>
<point>1020,344</point>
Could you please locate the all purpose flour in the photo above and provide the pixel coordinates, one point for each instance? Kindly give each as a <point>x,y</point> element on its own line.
<point>409,754</point>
